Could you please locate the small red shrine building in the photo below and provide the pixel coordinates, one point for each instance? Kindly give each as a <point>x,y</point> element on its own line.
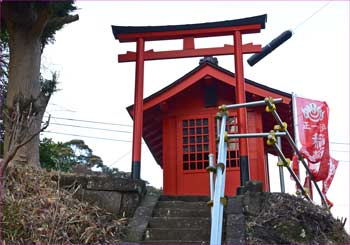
<point>179,128</point>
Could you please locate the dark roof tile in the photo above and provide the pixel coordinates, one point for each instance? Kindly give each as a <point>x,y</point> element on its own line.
<point>260,19</point>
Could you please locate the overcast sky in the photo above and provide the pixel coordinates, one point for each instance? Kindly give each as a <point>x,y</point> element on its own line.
<point>314,64</point>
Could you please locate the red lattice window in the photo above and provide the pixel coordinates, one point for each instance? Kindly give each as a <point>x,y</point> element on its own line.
<point>232,160</point>
<point>195,143</point>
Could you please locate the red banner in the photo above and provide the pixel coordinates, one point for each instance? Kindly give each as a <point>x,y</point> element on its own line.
<point>333,164</point>
<point>313,134</point>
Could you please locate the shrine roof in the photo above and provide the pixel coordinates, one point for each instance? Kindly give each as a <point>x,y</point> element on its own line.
<point>221,69</point>
<point>130,33</point>
<point>153,124</point>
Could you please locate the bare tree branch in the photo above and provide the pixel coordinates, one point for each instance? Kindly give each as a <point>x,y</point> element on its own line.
<point>64,20</point>
<point>12,151</point>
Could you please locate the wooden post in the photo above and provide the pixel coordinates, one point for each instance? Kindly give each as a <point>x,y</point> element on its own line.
<point>242,112</point>
<point>138,111</point>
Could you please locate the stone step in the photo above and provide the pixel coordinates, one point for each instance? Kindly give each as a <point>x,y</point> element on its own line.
<point>185,198</point>
<point>179,212</point>
<point>182,204</point>
<point>179,235</point>
<point>179,222</point>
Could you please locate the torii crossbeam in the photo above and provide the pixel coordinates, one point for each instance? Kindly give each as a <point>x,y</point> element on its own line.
<point>188,33</point>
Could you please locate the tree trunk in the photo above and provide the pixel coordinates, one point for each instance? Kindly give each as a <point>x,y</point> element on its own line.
<point>24,73</point>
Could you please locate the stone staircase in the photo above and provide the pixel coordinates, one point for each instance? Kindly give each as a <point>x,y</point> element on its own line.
<point>179,220</point>
<point>186,219</point>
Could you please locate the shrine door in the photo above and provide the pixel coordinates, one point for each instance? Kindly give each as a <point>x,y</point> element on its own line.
<point>196,138</point>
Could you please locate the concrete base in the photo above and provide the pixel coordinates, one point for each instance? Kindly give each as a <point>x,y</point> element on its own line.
<point>116,195</point>
<point>139,223</point>
<point>245,203</point>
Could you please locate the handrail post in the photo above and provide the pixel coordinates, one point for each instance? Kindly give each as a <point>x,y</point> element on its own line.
<point>211,176</point>
<point>280,168</point>
<point>218,205</point>
<point>271,141</point>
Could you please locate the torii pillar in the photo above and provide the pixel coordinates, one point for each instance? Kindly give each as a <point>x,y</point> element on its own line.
<point>241,112</point>
<point>141,34</point>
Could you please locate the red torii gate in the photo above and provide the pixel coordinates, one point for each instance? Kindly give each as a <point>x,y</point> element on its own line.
<point>141,34</point>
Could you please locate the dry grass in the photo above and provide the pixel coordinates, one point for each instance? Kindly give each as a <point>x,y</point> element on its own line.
<point>287,219</point>
<point>37,211</point>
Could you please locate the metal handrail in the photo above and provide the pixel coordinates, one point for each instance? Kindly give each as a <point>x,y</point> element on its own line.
<point>249,104</point>
<point>270,107</point>
<point>255,135</point>
<point>219,191</point>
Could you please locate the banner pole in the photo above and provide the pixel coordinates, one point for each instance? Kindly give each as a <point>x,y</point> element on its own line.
<point>295,120</point>
<point>280,168</point>
<point>297,140</point>
<point>295,126</point>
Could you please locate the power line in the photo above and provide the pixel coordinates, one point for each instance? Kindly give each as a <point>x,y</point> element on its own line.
<point>62,107</point>
<point>122,131</point>
<point>86,136</point>
<point>120,158</point>
<point>103,129</point>
<point>339,143</point>
<point>80,120</point>
<point>309,17</point>
<point>339,150</point>
<point>126,125</point>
